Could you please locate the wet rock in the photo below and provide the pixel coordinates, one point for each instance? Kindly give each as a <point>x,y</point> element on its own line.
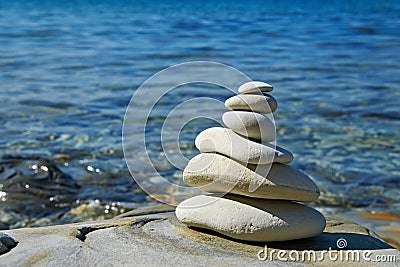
<point>6,243</point>
<point>32,186</point>
<point>4,226</point>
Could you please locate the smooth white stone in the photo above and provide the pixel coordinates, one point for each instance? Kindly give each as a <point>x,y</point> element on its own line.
<point>219,174</point>
<point>227,142</point>
<point>251,219</point>
<point>250,124</point>
<point>255,87</point>
<point>255,103</point>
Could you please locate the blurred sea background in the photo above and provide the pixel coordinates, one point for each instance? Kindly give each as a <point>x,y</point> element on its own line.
<point>69,68</point>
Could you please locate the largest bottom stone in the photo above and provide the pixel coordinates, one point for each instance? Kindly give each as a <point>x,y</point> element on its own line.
<point>251,219</point>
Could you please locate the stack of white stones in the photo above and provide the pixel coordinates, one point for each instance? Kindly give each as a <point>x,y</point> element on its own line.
<point>263,191</point>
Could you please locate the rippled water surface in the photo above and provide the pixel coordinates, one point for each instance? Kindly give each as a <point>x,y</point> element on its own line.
<point>68,71</point>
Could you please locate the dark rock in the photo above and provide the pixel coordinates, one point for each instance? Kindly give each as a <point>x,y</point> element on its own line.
<point>6,243</point>
<point>33,186</point>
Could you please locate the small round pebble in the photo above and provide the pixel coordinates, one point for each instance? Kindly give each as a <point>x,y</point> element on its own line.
<point>255,87</point>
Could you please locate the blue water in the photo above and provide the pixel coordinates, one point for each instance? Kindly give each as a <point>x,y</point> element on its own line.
<point>68,71</point>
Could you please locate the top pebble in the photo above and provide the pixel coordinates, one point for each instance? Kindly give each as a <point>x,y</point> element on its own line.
<point>254,87</point>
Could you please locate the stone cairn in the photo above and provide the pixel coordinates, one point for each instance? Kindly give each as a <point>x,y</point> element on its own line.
<point>263,192</point>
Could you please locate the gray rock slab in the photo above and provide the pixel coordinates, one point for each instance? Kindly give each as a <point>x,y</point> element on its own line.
<point>158,239</point>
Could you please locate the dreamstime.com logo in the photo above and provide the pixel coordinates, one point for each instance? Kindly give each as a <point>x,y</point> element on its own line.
<point>340,255</point>
<point>148,106</point>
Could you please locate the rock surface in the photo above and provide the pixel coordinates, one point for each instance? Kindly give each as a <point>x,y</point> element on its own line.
<point>153,237</point>
<point>256,103</point>
<point>227,142</point>
<point>254,87</point>
<point>251,219</point>
<point>250,124</point>
<point>216,173</point>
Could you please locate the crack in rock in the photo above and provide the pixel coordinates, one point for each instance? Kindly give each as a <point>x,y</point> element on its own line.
<point>86,230</point>
<point>6,243</point>
<point>143,212</point>
<point>141,223</point>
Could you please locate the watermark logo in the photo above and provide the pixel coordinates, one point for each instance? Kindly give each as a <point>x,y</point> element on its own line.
<point>160,109</point>
<point>324,255</point>
<point>341,243</point>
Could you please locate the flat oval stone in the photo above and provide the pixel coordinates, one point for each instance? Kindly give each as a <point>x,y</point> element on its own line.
<point>254,87</point>
<point>227,142</point>
<point>250,124</point>
<point>256,103</point>
<point>251,219</point>
<point>219,174</point>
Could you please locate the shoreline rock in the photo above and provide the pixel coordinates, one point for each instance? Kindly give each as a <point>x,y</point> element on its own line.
<point>154,237</point>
